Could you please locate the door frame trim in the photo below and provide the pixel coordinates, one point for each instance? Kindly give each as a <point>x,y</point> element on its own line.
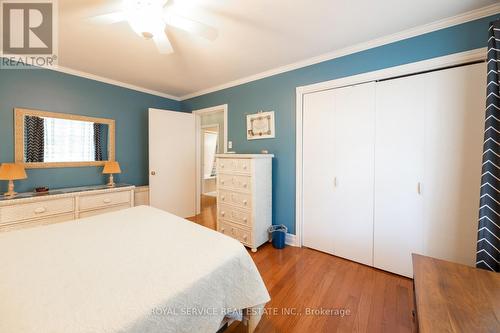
<point>198,114</point>
<point>391,72</point>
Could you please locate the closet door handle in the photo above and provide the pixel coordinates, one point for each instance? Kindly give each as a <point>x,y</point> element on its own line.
<point>419,188</point>
<point>335,182</point>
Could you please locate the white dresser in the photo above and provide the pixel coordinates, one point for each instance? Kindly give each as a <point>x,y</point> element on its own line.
<point>244,197</point>
<point>29,209</point>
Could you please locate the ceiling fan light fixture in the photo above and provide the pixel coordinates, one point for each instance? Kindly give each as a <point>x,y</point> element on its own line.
<point>145,16</point>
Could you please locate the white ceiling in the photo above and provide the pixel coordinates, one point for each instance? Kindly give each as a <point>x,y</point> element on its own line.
<point>254,36</point>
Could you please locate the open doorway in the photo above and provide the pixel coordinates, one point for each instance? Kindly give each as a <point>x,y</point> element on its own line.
<point>211,139</point>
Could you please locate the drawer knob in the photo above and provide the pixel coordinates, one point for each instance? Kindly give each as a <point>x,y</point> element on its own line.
<point>245,237</point>
<point>245,219</point>
<point>222,182</point>
<point>222,230</point>
<point>223,213</point>
<point>223,198</point>
<point>244,167</point>
<point>245,185</point>
<point>245,202</point>
<point>222,165</point>
<point>107,200</point>
<point>40,210</point>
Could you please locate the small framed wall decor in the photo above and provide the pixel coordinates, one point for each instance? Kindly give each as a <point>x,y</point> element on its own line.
<point>260,125</point>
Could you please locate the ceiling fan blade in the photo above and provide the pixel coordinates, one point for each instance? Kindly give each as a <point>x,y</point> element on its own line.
<point>162,43</point>
<point>191,26</point>
<point>109,18</point>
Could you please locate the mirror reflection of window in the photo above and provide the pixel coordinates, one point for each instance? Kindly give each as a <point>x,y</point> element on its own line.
<point>64,140</point>
<point>68,140</point>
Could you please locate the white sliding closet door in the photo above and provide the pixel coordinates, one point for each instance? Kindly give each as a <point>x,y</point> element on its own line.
<point>318,170</point>
<point>453,145</point>
<point>338,153</point>
<point>352,208</point>
<point>399,173</point>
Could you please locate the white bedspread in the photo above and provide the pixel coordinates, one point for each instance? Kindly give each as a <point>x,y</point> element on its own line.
<point>136,270</point>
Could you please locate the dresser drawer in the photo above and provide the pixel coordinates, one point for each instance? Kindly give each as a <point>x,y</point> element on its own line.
<point>240,183</point>
<point>102,211</point>
<point>242,200</point>
<point>88,202</point>
<point>36,210</point>
<point>239,233</point>
<point>35,223</point>
<point>234,165</point>
<point>235,215</point>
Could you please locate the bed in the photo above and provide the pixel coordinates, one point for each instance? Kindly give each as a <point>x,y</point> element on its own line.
<point>135,270</point>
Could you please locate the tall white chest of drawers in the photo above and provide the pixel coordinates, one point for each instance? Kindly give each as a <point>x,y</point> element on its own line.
<point>244,197</point>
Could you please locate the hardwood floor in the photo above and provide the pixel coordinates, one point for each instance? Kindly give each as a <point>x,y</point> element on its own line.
<point>208,214</point>
<point>316,292</point>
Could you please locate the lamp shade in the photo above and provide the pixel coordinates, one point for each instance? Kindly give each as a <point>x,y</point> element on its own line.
<point>12,171</point>
<point>111,167</point>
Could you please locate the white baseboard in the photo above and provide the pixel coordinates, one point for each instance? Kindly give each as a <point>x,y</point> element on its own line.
<point>291,240</point>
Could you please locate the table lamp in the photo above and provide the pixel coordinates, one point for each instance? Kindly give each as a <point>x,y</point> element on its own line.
<point>110,168</point>
<point>11,172</point>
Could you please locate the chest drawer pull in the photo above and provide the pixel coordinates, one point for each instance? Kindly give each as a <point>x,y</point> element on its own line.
<point>245,219</point>
<point>223,213</point>
<point>245,202</point>
<point>107,200</point>
<point>40,210</point>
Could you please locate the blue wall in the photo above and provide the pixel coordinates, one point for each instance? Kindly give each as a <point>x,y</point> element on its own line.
<point>58,92</point>
<point>278,93</point>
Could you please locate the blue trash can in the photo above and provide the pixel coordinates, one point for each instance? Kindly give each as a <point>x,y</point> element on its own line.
<point>278,233</point>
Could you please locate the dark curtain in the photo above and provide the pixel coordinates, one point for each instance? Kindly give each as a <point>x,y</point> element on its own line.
<point>97,141</point>
<point>488,243</point>
<point>34,137</point>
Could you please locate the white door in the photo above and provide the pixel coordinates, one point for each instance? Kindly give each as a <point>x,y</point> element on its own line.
<point>338,152</point>
<point>172,161</point>
<point>318,170</point>
<point>354,131</point>
<point>453,147</point>
<point>399,173</point>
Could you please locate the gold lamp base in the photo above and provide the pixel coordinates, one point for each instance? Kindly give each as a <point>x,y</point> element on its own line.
<point>10,191</point>
<point>111,182</point>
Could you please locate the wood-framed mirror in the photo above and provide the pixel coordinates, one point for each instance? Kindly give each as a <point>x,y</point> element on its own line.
<point>57,140</point>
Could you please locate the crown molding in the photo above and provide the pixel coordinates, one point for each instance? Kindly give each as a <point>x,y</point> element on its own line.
<point>94,77</point>
<point>413,32</point>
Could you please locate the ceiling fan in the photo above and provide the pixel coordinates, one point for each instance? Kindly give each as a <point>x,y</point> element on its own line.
<point>149,19</point>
